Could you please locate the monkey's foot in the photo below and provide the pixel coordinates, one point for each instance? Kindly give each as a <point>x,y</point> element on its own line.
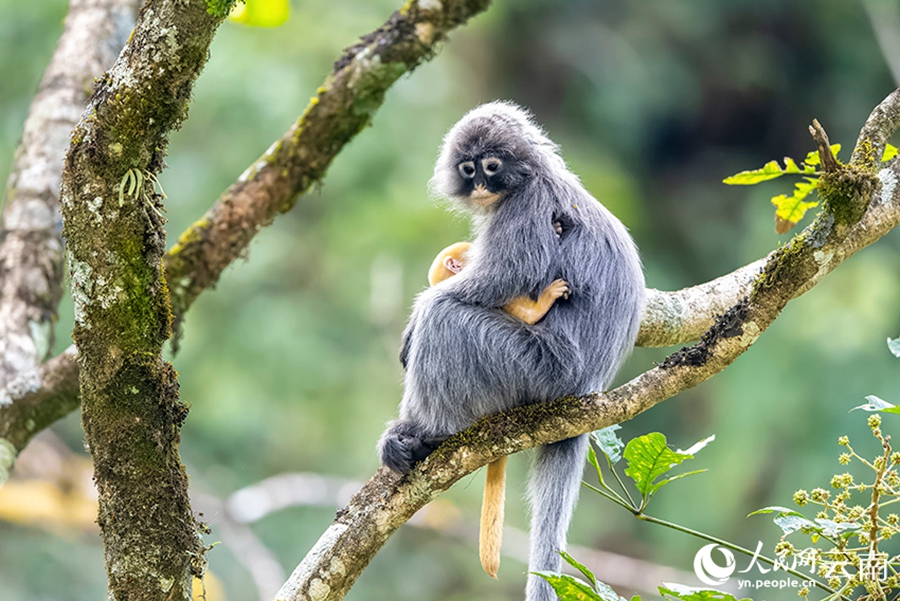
<point>403,445</point>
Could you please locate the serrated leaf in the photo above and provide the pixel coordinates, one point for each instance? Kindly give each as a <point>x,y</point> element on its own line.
<point>609,442</point>
<point>648,459</point>
<point>813,158</point>
<point>790,166</point>
<point>581,568</point>
<point>791,209</point>
<point>890,151</point>
<point>694,593</point>
<point>261,13</point>
<point>592,459</point>
<point>569,588</point>
<point>770,170</point>
<point>877,404</point>
<point>894,346</point>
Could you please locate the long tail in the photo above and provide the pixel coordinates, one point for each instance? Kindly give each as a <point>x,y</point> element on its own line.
<point>553,489</point>
<point>492,517</point>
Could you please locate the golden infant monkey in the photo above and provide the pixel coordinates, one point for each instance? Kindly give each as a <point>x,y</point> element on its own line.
<point>447,263</point>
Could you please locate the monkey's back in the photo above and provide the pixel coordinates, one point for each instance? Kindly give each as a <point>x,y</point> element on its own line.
<point>600,262</point>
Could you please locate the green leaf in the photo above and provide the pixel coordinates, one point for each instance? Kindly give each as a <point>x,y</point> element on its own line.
<point>877,404</point>
<point>776,509</point>
<point>261,13</point>
<point>894,346</point>
<point>609,442</point>
<point>607,593</point>
<point>694,593</point>
<point>790,524</point>
<point>569,588</point>
<point>790,166</point>
<point>648,459</point>
<point>787,519</point>
<point>890,151</point>
<point>789,210</point>
<point>581,568</point>
<point>770,170</point>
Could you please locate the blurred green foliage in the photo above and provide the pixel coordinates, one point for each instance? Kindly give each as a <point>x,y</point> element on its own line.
<point>291,363</point>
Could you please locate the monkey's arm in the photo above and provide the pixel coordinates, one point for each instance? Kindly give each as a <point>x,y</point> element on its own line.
<point>406,341</point>
<point>532,311</point>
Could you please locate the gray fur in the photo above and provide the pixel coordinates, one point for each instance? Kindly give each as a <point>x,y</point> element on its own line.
<point>465,357</point>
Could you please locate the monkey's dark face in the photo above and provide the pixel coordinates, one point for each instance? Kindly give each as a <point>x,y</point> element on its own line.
<point>481,175</point>
<point>482,179</point>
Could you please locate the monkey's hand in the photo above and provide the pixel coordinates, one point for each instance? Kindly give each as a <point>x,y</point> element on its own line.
<point>403,445</point>
<point>531,311</point>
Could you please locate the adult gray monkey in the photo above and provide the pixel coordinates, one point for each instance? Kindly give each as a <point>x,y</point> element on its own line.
<point>465,357</point>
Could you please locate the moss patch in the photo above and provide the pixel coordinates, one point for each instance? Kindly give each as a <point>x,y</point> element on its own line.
<point>727,325</point>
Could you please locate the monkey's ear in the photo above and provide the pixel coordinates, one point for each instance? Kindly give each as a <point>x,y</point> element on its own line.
<point>452,264</point>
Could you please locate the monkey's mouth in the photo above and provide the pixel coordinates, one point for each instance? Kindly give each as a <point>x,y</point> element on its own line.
<point>483,197</point>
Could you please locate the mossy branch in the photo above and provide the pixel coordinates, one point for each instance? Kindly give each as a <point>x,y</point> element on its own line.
<point>115,241</point>
<point>388,500</point>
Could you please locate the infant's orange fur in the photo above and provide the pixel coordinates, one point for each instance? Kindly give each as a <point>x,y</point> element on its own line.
<point>452,260</point>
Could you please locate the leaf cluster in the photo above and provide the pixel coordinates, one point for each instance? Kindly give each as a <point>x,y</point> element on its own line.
<point>789,210</point>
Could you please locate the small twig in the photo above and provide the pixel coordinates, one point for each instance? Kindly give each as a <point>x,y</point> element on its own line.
<point>829,163</point>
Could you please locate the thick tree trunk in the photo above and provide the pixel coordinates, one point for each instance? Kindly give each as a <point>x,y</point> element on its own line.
<point>115,242</point>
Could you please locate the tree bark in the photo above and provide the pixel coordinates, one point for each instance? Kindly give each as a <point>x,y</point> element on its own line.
<point>115,242</point>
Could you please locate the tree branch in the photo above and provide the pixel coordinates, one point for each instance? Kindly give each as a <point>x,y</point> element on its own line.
<point>342,107</point>
<point>848,221</point>
<point>115,242</point>
<point>682,316</point>
<point>30,245</point>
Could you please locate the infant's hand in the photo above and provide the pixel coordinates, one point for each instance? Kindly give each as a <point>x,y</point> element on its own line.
<point>559,288</point>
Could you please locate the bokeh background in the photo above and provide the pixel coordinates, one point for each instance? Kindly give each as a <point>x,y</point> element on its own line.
<point>290,365</point>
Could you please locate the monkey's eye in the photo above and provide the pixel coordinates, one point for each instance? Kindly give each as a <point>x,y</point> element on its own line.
<point>491,165</point>
<point>467,169</point>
